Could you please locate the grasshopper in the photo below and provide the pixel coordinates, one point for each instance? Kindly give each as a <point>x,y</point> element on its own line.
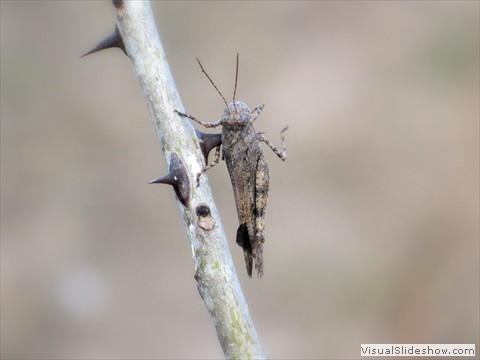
<point>248,171</point>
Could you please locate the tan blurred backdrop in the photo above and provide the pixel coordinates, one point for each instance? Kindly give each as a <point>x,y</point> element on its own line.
<point>372,222</point>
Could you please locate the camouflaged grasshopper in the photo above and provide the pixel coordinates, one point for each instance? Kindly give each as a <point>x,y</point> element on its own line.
<point>248,171</point>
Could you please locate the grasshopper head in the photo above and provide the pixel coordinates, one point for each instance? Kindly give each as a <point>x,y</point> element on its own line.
<point>236,115</point>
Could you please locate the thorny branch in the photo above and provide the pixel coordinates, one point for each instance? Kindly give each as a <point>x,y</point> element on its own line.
<point>215,274</point>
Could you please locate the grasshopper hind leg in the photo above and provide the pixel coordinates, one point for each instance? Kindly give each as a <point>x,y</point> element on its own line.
<point>261,193</point>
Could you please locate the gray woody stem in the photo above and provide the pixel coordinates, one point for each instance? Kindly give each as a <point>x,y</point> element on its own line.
<point>215,274</point>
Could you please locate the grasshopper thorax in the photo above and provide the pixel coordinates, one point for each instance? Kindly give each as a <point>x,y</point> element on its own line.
<point>236,115</point>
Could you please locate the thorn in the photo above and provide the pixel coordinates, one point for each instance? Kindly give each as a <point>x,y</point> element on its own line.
<point>208,142</point>
<point>117,3</point>
<point>113,40</point>
<point>178,178</point>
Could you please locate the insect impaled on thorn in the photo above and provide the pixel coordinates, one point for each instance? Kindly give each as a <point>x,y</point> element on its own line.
<point>248,171</point>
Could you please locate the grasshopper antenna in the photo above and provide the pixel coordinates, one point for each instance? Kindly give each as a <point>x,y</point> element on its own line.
<point>236,79</point>
<point>215,86</point>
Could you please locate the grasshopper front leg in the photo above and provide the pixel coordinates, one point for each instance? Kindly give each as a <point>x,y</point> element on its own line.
<point>256,112</point>
<point>205,124</point>
<point>282,154</point>
<point>216,159</point>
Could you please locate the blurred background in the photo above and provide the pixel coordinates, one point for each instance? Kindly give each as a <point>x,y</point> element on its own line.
<point>372,222</point>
